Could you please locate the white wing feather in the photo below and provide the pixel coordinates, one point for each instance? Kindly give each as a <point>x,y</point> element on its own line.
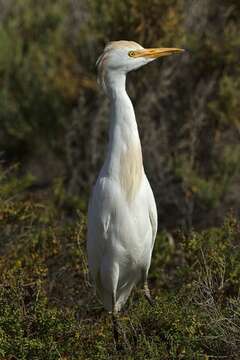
<point>120,239</point>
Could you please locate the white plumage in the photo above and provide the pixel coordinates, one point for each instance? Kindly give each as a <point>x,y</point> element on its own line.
<point>122,215</point>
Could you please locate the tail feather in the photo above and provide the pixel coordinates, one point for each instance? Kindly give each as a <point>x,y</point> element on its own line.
<point>122,294</point>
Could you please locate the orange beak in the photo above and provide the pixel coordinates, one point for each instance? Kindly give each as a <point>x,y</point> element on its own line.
<point>155,52</point>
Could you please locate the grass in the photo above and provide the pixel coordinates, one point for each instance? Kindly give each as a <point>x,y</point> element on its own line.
<point>48,309</point>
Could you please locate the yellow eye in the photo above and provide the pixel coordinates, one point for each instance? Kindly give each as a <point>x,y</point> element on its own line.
<point>131,53</point>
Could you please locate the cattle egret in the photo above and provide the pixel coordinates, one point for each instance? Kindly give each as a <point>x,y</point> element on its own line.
<point>122,214</point>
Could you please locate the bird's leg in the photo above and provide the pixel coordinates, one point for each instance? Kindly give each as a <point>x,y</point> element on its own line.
<point>115,328</point>
<point>118,330</point>
<point>147,293</point>
<point>115,323</point>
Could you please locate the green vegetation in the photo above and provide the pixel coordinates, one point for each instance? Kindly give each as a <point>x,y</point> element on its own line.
<point>48,309</point>
<point>53,123</point>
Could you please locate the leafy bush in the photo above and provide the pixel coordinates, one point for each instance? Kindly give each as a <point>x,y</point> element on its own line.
<point>48,309</point>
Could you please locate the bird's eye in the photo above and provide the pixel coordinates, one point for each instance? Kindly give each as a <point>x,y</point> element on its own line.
<point>131,53</point>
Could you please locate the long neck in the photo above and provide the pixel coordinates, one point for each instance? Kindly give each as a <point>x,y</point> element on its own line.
<point>124,157</point>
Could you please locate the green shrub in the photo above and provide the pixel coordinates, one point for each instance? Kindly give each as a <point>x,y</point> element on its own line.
<point>48,309</point>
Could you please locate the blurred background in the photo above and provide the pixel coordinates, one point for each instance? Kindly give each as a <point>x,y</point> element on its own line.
<point>54,119</point>
<point>53,136</point>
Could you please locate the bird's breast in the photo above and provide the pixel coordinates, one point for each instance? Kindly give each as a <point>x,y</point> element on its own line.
<point>131,170</point>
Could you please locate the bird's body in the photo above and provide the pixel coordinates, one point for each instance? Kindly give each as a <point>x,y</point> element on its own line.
<point>122,215</point>
<point>122,212</point>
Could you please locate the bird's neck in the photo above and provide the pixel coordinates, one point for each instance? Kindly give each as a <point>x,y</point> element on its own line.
<point>124,158</point>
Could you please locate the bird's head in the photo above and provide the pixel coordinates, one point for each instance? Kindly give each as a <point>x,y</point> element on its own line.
<point>120,57</point>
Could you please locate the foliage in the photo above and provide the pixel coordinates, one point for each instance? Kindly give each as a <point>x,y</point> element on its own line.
<point>48,309</point>
<point>54,124</point>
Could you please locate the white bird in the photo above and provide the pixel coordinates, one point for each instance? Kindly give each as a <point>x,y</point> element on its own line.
<point>122,214</point>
